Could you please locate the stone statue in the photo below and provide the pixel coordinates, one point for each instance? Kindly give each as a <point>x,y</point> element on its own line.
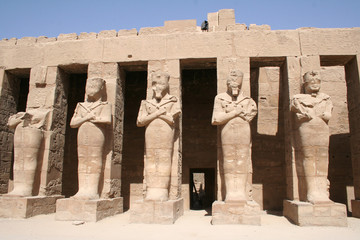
<point>312,113</point>
<point>91,117</point>
<point>233,113</point>
<point>28,139</point>
<point>158,115</point>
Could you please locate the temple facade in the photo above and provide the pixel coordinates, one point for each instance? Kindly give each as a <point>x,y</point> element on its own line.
<point>50,75</point>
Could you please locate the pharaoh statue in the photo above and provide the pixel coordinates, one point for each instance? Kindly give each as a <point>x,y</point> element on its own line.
<point>158,115</point>
<point>91,117</point>
<point>312,113</point>
<point>28,138</point>
<point>233,112</point>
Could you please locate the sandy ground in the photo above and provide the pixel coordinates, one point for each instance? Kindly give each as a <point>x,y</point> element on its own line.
<point>193,225</point>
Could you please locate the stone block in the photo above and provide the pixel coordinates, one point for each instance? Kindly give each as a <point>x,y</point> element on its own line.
<point>44,39</point>
<point>107,34</point>
<point>156,212</point>
<point>180,25</point>
<point>236,213</point>
<point>25,207</point>
<point>355,207</point>
<point>126,32</point>
<point>90,35</point>
<point>226,17</point>
<point>151,30</point>
<point>26,41</point>
<point>71,209</point>
<point>320,214</point>
<point>259,27</point>
<point>65,37</point>
<point>236,27</point>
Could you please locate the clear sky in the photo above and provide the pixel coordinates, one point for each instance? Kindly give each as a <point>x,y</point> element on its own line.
<point>33,18</point>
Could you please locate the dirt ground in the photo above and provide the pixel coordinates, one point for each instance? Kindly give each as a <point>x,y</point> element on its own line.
<point>193,225</point>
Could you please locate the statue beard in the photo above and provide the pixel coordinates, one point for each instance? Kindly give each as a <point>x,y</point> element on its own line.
<point>235,91</point>
<point>159,95</point>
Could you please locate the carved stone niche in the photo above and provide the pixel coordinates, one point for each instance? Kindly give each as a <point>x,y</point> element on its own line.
<point>311,114</point>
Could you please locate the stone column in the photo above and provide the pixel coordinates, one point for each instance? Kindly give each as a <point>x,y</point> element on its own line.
<point>47,185</point>
<point>353,88</point>
<point>291,86</point>
<point>149,211</point>
<point>304,212</point>
<point>110,202</point>
<point>247,210</point>
<point>224,66</point>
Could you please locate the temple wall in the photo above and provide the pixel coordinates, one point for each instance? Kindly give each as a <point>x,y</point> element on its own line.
<point>273,62</point>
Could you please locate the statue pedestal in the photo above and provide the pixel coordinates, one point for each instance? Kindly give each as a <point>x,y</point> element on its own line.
<point>25,207</point>
<point>71,209</point>
<point>156,212</point>
<point>355,208</point>
<point>244,212</point>
<point>319,214</point>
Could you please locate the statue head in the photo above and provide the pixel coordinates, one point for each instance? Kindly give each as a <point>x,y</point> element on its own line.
<point>160,84</point>
<point>312,82</point>
<point>94,89</point>
<point>234,82</point>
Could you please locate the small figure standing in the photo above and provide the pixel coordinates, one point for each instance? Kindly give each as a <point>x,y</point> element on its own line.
<point>233,113</point>
<point>312,114</point>
<point>91,117</point>
<point>28,138</point>
<point>158,115</point>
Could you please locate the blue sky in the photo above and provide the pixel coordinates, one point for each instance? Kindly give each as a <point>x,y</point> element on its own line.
<point>33,18</point>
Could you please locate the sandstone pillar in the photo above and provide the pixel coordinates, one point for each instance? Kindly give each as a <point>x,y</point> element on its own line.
<point>163,211</point>
<point>235,204</point>
<point>110,202</point>
<point>353,86</point>
<point>46,188</point>
<point>309,202</point>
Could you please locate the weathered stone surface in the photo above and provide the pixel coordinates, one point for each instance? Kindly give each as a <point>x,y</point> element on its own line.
<point>226,17</point>
<point>236,27</point>
<point>68,36</point>
<point>322,214</point>
<point>87,210</point>
<point>157,212</point>
<point>125,32</point>
<point>85,35</point>
<point>259,27</point>
<point>26,41</point>
<point>246,212</point>
<point>25,207</point>
<point>107,34</point>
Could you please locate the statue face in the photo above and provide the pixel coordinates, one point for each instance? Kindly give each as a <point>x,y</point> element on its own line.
<point>234,85</point>
<point>312,85</point>
<point>93,88</point>
<point>159,87</point>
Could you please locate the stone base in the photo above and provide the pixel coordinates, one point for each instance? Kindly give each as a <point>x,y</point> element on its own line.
<point>156,212</point>
<point>71,209</point>
<point>320,214</point>
<point>25,207</point>
<point>236,213</point>
<point>355,208</point>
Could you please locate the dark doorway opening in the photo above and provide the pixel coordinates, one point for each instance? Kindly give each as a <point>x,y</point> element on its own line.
<point>133,138</point>
<point>202,188</point>
<point>199,137</point>
<point>75,94</point>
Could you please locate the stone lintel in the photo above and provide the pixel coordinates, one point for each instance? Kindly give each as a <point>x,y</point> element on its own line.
<point>246,212</point>
<point>71,209</point>
<point>25,207</point>
<point>355,208</point>
<point>321,214</point>
<point>152,212</point>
